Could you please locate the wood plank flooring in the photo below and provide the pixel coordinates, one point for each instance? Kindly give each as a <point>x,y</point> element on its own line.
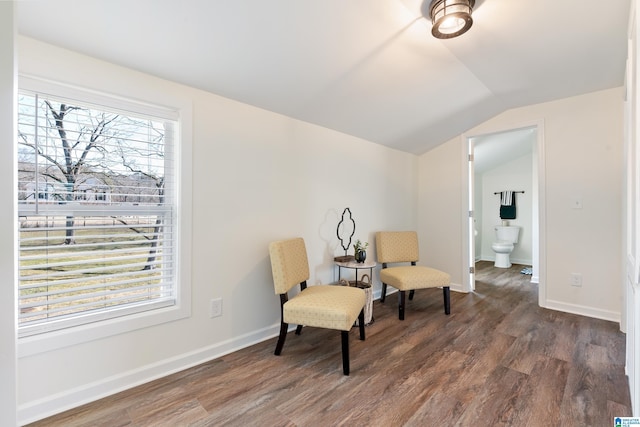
<point>497,360</point>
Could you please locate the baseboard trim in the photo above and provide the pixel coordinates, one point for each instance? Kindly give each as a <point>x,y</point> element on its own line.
<point>457,288</point>
<point>583,310</point>
<point>524,262</point>
<point>43,408</point>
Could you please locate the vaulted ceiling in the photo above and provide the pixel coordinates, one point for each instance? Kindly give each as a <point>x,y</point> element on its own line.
<point>368,68</point>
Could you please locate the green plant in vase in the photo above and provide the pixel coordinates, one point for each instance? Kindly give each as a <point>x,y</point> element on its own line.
<point>360,251</point>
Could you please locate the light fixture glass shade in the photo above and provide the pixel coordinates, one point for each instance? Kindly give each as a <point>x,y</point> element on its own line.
<point>450,18</point>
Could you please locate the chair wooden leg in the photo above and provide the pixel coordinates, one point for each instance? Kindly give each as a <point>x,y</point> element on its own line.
<point>411,293</point>
<point>281,338</point>
<point>383,292</point>
<point>345,352</point>
<point>298,329</point>
<point>361,324</point>
<point>447,300</point>
<point>401,305</point>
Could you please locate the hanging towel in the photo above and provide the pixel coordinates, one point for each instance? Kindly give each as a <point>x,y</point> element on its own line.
<point>506,198</point>
<point>507,205</point>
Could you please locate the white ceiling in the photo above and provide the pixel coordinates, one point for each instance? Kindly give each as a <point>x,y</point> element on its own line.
<point>368,68</point>
<point>495,149</point>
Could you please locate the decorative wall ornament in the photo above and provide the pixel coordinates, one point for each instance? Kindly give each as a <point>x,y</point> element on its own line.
<point>343,230</point>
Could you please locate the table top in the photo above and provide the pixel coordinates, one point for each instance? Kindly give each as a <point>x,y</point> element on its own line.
<point>353,264</point>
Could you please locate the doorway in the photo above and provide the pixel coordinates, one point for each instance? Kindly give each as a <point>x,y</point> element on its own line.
<point>488,155</point>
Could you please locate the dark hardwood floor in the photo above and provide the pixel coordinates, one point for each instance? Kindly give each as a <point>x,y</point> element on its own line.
<point>497,360</point>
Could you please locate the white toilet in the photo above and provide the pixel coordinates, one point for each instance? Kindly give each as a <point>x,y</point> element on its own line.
<point>507,237</point>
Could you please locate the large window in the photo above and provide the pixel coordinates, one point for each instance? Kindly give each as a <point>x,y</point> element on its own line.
<point>96,209</point>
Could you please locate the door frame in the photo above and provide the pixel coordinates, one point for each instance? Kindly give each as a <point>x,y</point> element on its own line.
<point>539,250</point>
<point>630,316</point>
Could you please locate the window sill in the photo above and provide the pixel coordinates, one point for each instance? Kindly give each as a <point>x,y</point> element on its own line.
<point>49,341</point>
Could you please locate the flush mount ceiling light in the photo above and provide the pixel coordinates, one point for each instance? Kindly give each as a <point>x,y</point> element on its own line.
<point>450,18</point>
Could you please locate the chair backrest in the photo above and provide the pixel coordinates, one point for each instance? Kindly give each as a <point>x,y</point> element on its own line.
<point>289,264</point>
<point>397,246</point>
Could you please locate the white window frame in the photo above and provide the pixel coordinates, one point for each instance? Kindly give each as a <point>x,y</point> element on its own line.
<point>35,344</point>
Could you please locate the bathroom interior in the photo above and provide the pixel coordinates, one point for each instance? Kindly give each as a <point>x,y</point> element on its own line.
<point>506,162</point>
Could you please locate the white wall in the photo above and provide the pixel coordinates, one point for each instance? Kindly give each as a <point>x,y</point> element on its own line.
<point>515,175</point>
<point>440,213</point>
<point>8,391</point>
<point>257,177</point>
<point>583,142</point>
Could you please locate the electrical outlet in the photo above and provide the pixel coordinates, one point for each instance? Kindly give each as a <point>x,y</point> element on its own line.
<point>576,202</point>
<point>576,280</point>
<point>215,309</point>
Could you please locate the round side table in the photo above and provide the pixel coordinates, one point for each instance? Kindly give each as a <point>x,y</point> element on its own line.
<point>368,287</point>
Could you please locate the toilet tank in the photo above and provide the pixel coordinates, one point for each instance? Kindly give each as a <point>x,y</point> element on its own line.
<point>507,233</point>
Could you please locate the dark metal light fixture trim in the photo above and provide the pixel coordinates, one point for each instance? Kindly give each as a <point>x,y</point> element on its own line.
<point>450,18</point>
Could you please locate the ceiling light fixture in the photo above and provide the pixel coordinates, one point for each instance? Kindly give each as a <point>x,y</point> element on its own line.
<point>450,18</point>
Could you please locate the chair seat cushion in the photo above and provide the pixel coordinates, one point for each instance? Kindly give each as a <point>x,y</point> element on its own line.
<point>325,306</point>
<point>406,278</point>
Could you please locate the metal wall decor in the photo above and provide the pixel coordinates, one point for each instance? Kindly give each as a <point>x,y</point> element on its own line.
<point>344,225</point>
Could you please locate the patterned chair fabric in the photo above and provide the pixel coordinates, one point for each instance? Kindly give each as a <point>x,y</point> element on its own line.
<point>408,277</point>
<point>322,306</point>
<point>394,247</point>
<point>289,264</point>
<point>397,246</point>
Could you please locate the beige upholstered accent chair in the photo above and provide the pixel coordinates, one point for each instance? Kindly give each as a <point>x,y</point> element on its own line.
<point>402,247</point>
<point>321,306</point>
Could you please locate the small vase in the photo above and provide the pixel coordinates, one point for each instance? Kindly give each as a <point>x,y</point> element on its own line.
<point>360,256</point>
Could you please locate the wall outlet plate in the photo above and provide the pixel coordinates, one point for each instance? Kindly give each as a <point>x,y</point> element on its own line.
<point>576,202</point>
<point>576,280</point>
<point>215,308</point>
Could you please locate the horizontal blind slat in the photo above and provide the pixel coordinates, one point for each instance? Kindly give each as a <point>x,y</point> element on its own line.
<point>38,326</point>
<point>84,308</point>
<point>101,256</point>
<point>131,293</point>
<point>120,283</point>
<point>85,271</point>
<point>139,247</point>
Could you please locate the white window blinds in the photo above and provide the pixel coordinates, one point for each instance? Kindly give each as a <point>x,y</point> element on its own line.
<point>96,206</point>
